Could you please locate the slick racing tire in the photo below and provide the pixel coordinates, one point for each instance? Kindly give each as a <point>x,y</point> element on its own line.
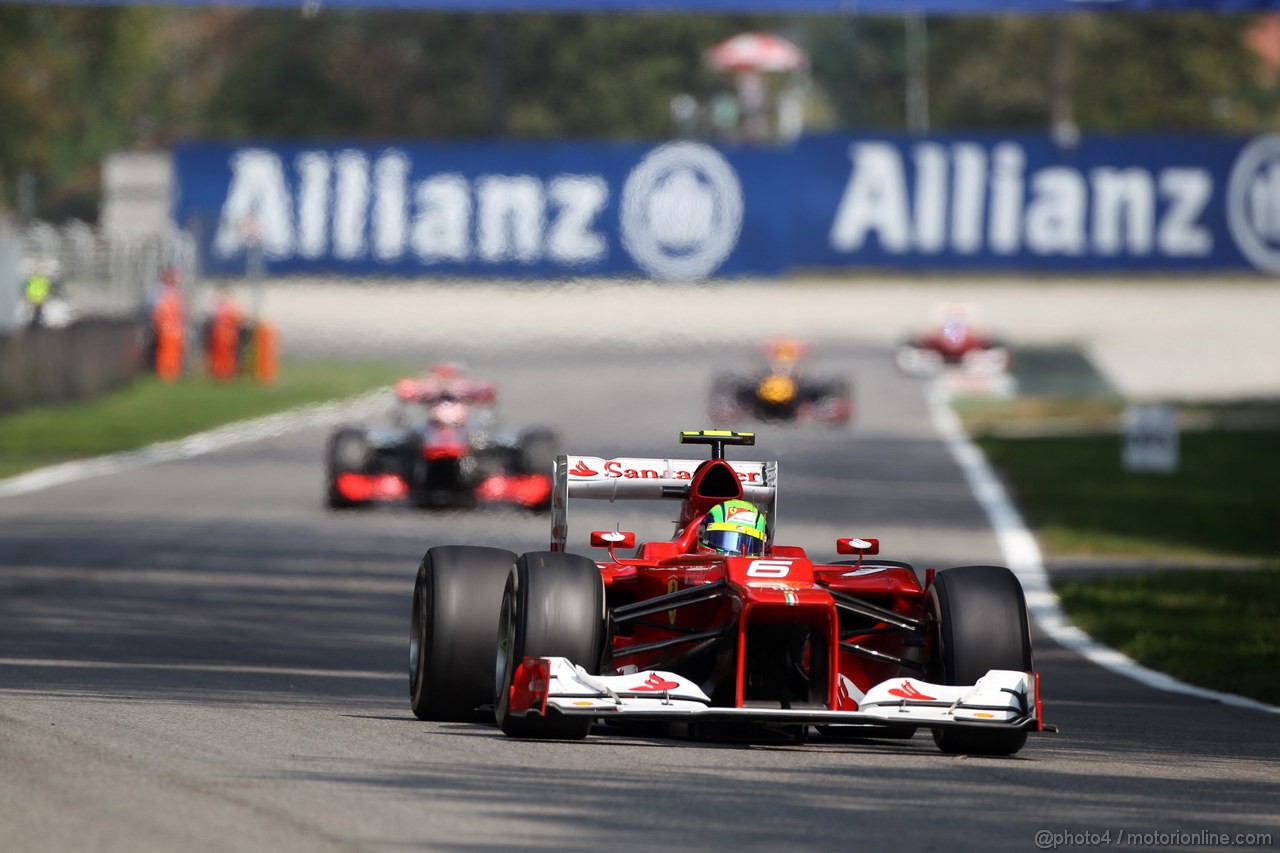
<point>834,400</point>
<point>346,452</point>
<point>538,451</point>
<point>979,621</point>
<point>553,606</point>
<point>451,630</point>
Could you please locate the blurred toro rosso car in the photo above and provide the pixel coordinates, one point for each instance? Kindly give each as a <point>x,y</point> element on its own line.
<point>745,639</point>
<point>781,390</point>
<point>443,450</point>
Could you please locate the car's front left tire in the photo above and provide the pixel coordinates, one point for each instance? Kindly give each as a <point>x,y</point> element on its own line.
<point>456,599</point>
<point>553,606</point>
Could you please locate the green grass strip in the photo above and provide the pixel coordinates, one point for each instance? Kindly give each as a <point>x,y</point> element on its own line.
<point>148,411</point>
<point>1215,629</point>
<point>1222,502</point>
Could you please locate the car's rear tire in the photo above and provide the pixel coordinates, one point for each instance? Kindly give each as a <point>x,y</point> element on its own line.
<point>837,401</point>
<point>347,452</point>
<point>455,616</point>
<point>553,606</point>
<point>979,622</point>
<point>537,452</point>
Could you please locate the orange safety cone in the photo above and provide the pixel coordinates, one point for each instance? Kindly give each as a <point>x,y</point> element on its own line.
<point>265,353</point>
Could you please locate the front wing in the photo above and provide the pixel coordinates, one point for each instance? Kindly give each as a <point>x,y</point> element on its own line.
<point>532,491</point>
<point>1003,699</point>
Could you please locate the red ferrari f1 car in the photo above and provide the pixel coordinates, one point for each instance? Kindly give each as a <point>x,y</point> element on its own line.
<point>444,451</point>
<point>955,343</point>
<point>723,643</point>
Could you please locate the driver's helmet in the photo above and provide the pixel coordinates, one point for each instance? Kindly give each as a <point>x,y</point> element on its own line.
<point>733,527</point>
<point>956,331</point>
<point>448,413</point>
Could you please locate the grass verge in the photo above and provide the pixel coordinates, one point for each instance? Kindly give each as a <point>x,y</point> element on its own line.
<point>1072,489</point>
<point>1214,629</point>
<point>1061,461</point>
<point>148,411</point>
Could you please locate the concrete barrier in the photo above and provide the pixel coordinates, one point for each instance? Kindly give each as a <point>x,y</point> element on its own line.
<point>64,365</point>
<point>10,286</point>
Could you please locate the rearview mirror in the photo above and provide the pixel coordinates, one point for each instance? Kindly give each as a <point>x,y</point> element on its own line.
<point>613,539</point>
<point>864,547</point>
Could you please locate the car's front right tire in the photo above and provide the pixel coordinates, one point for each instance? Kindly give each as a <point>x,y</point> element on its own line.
<point>347,452</point>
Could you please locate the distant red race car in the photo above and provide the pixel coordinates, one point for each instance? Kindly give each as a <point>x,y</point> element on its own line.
<point>722,643</point>
<point>444,450</point>
<point>781,389</point>
<point>956,344</point>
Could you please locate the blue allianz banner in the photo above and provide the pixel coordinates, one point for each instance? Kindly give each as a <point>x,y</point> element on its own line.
<point>1015,202</point>
<point>507,209</point>
<point>687,210</point>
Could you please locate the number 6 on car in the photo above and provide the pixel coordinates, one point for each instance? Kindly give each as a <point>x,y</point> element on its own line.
<point>769,569</point>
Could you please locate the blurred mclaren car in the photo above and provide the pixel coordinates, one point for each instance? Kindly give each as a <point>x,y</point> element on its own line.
<point>443,450</point>
<point>781,390</point>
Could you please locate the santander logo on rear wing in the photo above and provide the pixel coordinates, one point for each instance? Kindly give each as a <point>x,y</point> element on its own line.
<point>638,478</point>
<point>592,468</point>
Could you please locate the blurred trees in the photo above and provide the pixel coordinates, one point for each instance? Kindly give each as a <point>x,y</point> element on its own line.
<point>77,83</point>
<point>1175,72</point>
<point>398,75</point>
<point>72,82</point>
<point>1124,72</point>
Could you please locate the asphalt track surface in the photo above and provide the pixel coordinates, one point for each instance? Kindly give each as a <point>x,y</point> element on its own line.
<point>197,656</point>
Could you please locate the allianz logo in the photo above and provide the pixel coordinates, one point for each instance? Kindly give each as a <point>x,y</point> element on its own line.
<point>1253,202</point>
<point>349,207</point>
<point>681,212</point>
<point>967,199</point>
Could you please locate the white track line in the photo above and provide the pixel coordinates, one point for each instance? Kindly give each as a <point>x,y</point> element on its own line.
<point>1022,554</point>
<point>199,444</point>
<point>188,666</point>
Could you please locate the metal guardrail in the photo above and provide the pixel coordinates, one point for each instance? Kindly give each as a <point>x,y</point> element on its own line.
<point>92,336</point>
<point>10,250</point>
<point>100,277</point>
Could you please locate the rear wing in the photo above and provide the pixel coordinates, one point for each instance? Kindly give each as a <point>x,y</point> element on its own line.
<point>635,478</point>
<point>473,391</point>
